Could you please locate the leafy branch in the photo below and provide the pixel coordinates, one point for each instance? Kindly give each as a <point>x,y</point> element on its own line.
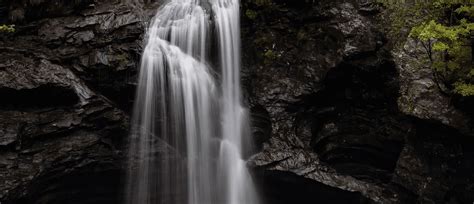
<point>7,28</point>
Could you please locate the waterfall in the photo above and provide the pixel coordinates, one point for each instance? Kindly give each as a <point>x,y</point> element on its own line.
<point>189,129</point>
<point>235,122</point>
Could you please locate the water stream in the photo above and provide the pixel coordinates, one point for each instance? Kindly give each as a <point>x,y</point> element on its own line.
<point>189,128</point>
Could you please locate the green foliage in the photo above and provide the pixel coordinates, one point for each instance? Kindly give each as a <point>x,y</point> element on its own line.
<point>452,42</point>
<point>7,28</point>
<point>251,14</point>
<point>403,15</point>
<point>263,2</point>
<point>464,89</point>
<point>465,9</point>
<point>445,29</point>
<point>432,30</point>
<point>269,56</point>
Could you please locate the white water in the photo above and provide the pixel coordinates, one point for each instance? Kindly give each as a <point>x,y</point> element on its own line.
<point>189,130</point>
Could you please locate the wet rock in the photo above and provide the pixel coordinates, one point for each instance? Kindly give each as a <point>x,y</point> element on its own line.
<point>9,134</point>
<point>57,131</point>
<point>101,41</point>
<point>29,10</point>
<point>436,164</point>
<point>338,101</point>
<point>261,126</point>
<point>421,95</point>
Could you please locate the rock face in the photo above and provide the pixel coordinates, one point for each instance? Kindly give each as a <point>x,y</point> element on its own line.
<point>338,115</point>
<point>336,104</point>
<point>66,85</point>
<point>54,129</point>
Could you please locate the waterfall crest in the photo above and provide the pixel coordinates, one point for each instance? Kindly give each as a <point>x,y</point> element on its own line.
<point>189,130</point>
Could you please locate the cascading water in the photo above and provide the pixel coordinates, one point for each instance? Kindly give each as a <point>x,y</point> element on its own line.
<point>189,130</point>
<point>235,124</point>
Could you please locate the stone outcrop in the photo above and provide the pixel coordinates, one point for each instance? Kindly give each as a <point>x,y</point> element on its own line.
<point>66,81</point>
<point>346,110</point>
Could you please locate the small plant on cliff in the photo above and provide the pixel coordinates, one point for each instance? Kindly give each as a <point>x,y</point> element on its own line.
<point>7,28</point>
<point>451,39</point>
<point>263,2</point>
<point>445,29</point>
<point>251,14</point>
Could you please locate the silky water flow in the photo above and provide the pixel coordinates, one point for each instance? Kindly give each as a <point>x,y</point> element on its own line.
<point>189,127</point>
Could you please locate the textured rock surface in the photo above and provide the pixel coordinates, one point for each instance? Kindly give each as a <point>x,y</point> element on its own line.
<point>421,95</point>
<point>100,41</point>
<point>345,110</point>
<point>66,85</point>
<point>52,126</point>
<point>338,116</point>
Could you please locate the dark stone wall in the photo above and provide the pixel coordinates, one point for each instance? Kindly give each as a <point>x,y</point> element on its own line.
<point>337,104</point>
<point>67,79</point>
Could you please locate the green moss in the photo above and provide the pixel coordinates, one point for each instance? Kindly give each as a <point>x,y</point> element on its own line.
<point>263,2</point>
<point>302,35</point>
<point>122,59</point>
<point>261,41</point>
<point>269,56</point>
<point>251,14</point>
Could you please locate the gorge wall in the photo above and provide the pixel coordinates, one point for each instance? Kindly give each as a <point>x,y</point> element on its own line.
<point>339,114</point>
